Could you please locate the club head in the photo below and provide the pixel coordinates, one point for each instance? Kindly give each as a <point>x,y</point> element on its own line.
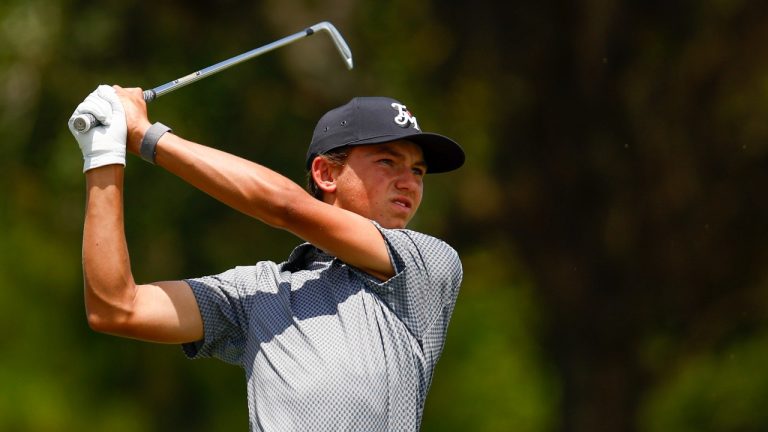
<point>341,45</point>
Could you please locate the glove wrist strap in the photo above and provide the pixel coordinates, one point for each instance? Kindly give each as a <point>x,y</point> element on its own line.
<point>149,142</point>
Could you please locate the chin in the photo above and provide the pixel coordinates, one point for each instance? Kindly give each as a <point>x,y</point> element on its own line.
<point>393,221</point>
<point>393,224</point>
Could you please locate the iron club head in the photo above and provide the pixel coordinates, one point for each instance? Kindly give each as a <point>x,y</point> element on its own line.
<point>339,41</point>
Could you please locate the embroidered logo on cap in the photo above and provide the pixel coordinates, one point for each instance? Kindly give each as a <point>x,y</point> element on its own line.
<point>404,117</point>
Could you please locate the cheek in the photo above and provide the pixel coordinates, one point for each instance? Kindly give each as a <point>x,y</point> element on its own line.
<point>353,192</point>
<point>370,185</point>
<point>420,193</point>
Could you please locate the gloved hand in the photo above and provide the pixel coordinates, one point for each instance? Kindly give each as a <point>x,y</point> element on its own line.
<point>103,144</point>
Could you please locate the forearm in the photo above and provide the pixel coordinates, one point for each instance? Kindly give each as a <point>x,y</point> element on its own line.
<point>241,184</point>
<point>262,193</point>
<point>276,200</point>
<point>109,285</point>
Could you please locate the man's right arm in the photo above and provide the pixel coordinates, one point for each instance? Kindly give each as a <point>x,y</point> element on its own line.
<point>164,312</point>
<point>262,193</point>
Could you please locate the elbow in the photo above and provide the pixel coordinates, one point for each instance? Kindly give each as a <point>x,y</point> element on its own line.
<point>98,322</point>
<point>107,317</point>
<point>102,322</point>
<point>111,324</point>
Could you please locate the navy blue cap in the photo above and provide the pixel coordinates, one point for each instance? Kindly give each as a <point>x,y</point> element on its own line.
<point>376,120</point>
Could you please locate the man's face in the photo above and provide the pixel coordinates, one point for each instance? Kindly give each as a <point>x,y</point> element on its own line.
<point>383,182</point>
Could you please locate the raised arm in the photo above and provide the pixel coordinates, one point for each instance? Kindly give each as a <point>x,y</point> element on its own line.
<point>263,194</point>
<point>161,312</point>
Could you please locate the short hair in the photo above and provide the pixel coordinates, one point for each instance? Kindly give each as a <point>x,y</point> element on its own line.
<point>338,157</point>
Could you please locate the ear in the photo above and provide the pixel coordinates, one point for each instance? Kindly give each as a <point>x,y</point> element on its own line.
<point>324,174</point>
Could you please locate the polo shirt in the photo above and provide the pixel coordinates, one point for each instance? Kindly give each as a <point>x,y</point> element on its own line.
<point>326,346</point>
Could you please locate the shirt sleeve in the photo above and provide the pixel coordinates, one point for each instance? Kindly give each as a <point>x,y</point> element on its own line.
<point>423,291</point>
<point>220,299</point>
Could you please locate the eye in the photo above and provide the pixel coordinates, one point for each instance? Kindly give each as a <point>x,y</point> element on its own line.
<point>385,161</point>
<point>419,171</point>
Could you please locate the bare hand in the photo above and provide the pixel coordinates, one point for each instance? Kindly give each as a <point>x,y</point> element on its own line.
<point>136,116</point>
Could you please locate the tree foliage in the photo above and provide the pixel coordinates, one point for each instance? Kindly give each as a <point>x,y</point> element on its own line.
<point>610,216</point>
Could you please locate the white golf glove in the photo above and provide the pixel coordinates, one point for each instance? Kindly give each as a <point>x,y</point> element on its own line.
<point>103,144</point>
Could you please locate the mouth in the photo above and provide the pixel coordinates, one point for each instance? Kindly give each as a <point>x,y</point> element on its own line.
<point>403,202</point>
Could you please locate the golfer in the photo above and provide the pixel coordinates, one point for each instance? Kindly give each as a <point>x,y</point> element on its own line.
<point>343,335</point>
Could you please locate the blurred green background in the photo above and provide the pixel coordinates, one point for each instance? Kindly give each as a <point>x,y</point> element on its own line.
<point>611,215</point>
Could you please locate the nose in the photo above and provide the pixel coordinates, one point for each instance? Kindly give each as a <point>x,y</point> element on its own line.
<point>408,180</point>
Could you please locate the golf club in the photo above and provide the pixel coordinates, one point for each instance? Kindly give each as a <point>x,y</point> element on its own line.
<point>84,122</point>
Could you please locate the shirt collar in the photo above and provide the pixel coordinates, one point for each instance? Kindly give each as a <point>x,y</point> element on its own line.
<point>304,254</point>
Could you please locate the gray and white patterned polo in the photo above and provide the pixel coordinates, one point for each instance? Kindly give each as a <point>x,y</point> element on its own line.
<point>328,347</point>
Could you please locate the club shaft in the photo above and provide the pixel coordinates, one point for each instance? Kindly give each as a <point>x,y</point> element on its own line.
<point>218,67</point>
<point>84,122</point>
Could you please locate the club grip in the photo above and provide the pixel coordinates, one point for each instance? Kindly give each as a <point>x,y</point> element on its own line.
<point>84,122</point>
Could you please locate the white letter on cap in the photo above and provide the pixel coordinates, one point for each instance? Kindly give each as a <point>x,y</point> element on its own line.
<point>404,117</point>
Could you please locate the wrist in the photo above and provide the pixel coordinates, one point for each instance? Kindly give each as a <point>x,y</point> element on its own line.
<point>104,152</point>
<point>148,148</point>
<point>107,173</point>
<point>135,135</point>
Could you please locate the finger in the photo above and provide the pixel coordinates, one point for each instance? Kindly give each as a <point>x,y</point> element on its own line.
<point>109,95</point>
<point>130,92</point>
<point>97,105</point>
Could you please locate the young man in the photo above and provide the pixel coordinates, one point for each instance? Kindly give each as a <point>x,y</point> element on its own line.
<point>346,333</point>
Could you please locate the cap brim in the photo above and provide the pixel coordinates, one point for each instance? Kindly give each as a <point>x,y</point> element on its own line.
<point>441,153</point>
